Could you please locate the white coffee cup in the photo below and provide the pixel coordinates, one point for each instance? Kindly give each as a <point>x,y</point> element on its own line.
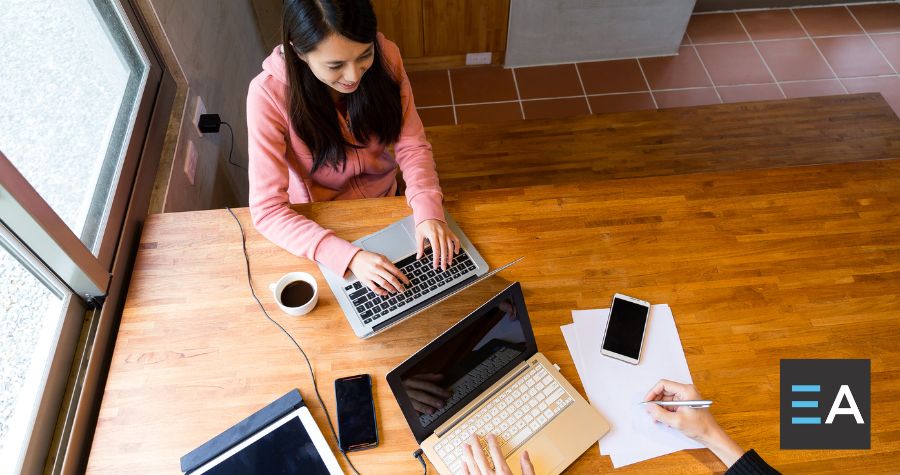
<point>278,287</point>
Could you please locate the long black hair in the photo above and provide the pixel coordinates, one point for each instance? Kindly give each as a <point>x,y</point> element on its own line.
<point>374,107</point>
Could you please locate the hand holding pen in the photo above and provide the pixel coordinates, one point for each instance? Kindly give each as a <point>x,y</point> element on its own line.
<point>681,407</point>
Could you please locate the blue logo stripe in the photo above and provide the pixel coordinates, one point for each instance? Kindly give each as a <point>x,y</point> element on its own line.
<point>804,403</point>
<point>805,388</point>
<point>806,420</point>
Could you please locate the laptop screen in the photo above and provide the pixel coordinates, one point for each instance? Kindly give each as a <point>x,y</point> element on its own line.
<point>439,380</point>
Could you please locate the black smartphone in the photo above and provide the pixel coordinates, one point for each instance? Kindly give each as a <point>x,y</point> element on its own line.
<point>357,429</point>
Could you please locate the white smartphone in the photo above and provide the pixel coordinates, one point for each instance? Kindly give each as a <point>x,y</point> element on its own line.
<point>625,328</point>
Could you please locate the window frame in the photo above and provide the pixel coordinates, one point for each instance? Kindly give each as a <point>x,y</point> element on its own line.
<point>99,282</point>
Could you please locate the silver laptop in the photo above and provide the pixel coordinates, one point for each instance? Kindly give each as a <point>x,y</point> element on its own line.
<point>484,375</point>
<point>369,313</point>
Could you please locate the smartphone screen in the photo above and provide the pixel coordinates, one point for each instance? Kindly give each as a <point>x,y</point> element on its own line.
<point>625,330</point>
<point>355,413</point>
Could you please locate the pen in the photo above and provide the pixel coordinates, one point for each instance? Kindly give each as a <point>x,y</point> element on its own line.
<point>691,404</point>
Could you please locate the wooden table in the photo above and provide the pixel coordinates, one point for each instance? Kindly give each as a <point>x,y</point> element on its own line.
<point>757,265</point>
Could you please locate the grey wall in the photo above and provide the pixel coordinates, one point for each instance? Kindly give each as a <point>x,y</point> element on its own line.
<point>716,5</point>
<point>558,31</point>
<point>216,49</point>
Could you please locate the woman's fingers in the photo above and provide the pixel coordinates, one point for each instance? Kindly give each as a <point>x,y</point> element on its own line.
<point>378,285</point>
<point>479,454</point>
<point>525,462</point>
<point>445,253</point>
<point>420,245</point>
<point>469,457</point>
<point>391,274</point>
<point>494,448</point>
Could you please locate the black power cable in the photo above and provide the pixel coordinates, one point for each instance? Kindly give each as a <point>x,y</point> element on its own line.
<point>209,124</point>
<point>312,374</point>
<point>231,151</point>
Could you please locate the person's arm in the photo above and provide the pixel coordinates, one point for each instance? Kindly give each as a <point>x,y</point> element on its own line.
<point>700,425</point>
<point>412,150</point>
<point>414,156</point>
<point>268,190</point>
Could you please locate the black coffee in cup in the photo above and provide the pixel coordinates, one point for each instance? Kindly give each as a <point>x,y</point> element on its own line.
<point>296,294</point>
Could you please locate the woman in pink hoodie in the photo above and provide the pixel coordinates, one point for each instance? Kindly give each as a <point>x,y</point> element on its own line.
<point>330,100</point>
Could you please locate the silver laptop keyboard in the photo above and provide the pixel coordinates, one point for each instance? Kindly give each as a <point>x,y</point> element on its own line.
<point>471,381</point>
<point>514,415</point>
<point>424,282</point>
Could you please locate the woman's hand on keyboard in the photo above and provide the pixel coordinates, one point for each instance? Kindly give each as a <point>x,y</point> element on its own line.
<point>477,464</point>
<point>377,273</point>
<point>443,242</point>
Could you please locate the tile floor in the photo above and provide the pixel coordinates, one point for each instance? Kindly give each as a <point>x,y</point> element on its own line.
<point>724,57</point>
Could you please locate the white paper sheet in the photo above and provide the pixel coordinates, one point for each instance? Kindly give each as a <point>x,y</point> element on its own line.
<point>616,388</point>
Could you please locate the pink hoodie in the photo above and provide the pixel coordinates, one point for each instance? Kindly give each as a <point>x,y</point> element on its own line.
<point>370,171</point>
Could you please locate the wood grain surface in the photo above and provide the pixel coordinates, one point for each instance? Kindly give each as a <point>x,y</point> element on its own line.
<point>666,142</point>
<point>757,265</point>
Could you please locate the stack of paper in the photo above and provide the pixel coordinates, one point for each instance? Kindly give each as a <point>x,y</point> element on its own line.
<point>616,388</point>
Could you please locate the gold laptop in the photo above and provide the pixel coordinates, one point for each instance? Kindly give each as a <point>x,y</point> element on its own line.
<point>484,375</point>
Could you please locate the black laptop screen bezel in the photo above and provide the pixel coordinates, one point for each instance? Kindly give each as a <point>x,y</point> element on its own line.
<point>513,293</point>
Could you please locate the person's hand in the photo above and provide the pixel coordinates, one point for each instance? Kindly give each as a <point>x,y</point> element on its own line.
<point>698,424</point>
<point>425,394</point>
<point>477,464</point>
<point>443,242</point>
<point>378,273</point>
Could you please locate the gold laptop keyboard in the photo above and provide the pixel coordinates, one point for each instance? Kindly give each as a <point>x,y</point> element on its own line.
<point>514,415</point>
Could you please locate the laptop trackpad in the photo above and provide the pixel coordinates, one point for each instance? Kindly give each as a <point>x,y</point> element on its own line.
<point>544,455</point>
<point>389,242</point>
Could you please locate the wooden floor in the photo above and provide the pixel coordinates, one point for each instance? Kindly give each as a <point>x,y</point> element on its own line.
<point>723,137</point>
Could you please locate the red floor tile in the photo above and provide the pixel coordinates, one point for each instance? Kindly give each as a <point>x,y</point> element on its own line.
<point>827,87</point>
<point>853,56</point>
<point>686,97</point>
<point>889,87</point>
<point>621,102</point>
<point>675,72</point>
<point>827,21</point>
<point>879,18</point>
<point>715,28</point>
<point>548,81</point>
<point>482,84</point>
<point>771,25</point>
<point>436,116</point>
<point>555,108</point>
<point>736,63</point>
<point>755,92</point>
<point>488,113</point>
<point>604,77</point>
<point>890,46</point>
<point>430,88</point>
<point>794,60</point>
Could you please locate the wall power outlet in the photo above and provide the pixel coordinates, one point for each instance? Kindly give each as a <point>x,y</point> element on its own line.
<point>478,58</point>
<point>199,109</point>
<point>190,161</point>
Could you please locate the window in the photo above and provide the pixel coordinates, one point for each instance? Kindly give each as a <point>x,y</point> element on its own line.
<point>76,75</point>
<point>80,87</point>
